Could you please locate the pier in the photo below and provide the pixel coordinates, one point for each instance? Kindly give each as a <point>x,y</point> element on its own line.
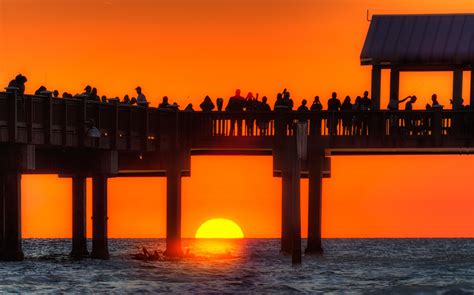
<point>81,139</point>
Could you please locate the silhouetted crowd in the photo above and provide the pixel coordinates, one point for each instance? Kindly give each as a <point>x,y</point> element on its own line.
<point>236,103</point>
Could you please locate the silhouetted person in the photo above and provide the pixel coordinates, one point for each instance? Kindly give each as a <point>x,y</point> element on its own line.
<point>435,105</point>
<point>409,120</point>
<point>366,101</point>
<point>287,101</point>
<point>87,92</point>
<point>357,117</point>
<point>141,98</point>
<point>316,105</point>
<point>133,100</point>
<point>67,95</point>
<point>164,103</point>
<point>126,99</point>
<point>303,107</point>
<point>55,94</point>
<point>104,99</point>
<point>41,90</point>
<point>409,104</point>
<point>393,104</point>
<point>207,105</point>
<point>262,123</point>
<point>93,95</point>
<point>347,118</point>
<point>220,103</point>
<point>189,108</point>
<point>19,84</point>
<point>334,105</point>
<point>251,106</point>
<point>279,101</point>
<point>236,104</point>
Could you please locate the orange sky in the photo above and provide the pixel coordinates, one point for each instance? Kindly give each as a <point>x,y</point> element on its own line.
<point>188,48</point>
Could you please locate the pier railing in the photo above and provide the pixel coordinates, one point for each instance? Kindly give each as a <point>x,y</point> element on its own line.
<point>66,122</point>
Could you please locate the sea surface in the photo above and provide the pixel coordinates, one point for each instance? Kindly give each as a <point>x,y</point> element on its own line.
<point>349,266</point>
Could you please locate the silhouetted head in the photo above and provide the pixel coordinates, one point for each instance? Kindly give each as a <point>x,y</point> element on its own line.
<point>55,93</point>
<point>94,92</point>
<point>347,99</point>
<point>358,99</point>
<point>316,99</point>
<point>20,78</point>
<point>287,95</point>
<point>366,93</point>
<point>88,88</point>
<point>279,96</point>
<point>139,90</point>
<point>334,95</point>
<point>434,97</point>
<point>41,89</point>
<point>249,95</point>
<point>264,99</point>
<point>237,92</point>
<point>165,99</point>
<point>413,99</point>
<point>304,102</point>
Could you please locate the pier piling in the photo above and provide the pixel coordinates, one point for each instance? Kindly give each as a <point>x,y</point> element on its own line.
<point>12,245</point>
<point>79,239</point>
<point>99,217</point>
<point>314,205</point>
<point>173,212</point>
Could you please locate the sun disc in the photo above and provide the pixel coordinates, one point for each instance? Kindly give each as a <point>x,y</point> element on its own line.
<point>219,228</point>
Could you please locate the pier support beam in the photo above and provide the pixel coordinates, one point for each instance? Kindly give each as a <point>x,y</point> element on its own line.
<point>173,212</point>
<point>314,246</point>
<point>12,245</point>
<point>79,240</point>
<point>457,89</point>
<point>99,217</point>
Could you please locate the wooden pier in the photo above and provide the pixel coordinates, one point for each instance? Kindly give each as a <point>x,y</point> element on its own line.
<point>44,135</point>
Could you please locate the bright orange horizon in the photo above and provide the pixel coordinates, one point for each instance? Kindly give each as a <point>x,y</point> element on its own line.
<point>187,49</point>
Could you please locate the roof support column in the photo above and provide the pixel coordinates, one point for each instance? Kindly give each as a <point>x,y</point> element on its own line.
<point>376,87</point>
<point>394,84</point>
<point>457,89</point>
<point>471,101</point>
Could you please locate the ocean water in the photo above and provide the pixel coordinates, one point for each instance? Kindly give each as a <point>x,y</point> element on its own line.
<point>368,266</point>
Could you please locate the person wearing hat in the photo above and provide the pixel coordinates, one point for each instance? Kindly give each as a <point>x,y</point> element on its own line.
<point>141,99</point>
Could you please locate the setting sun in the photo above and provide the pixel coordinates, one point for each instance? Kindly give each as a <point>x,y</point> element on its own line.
<point>219,228</point>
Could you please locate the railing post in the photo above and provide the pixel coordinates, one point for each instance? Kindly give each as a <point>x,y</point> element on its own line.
<point>48,123</point>
<point>12,116</point>
<point>115,127</point>
<point>65,122</point>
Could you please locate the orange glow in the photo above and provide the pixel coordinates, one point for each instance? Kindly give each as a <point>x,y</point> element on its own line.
<point>187,49</point>
<point>219,228</point>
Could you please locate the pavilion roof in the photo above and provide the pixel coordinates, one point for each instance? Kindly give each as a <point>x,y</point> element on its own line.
<point>420,40</point>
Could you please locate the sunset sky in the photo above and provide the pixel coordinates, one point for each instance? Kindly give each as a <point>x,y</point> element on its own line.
<point>187,49</point>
